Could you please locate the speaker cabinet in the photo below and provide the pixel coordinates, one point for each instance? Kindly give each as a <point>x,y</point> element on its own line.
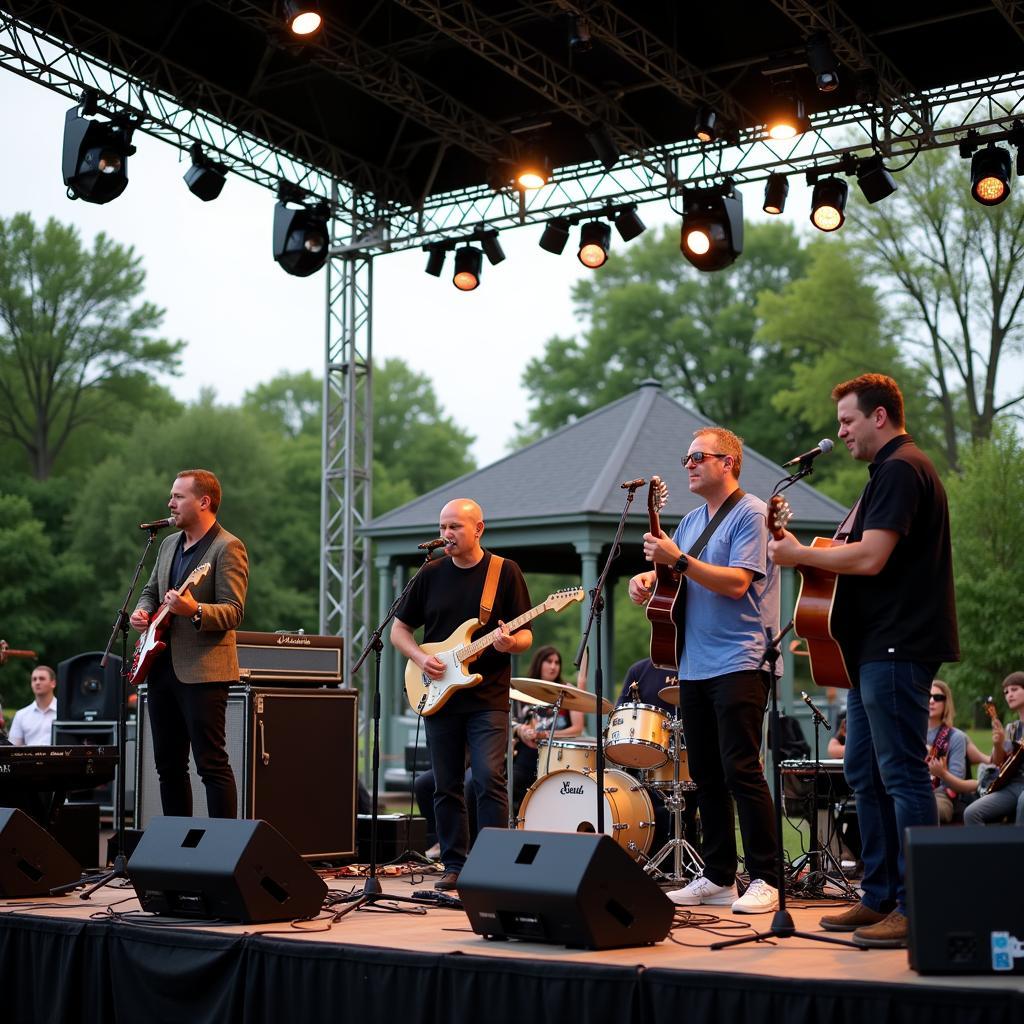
<point>568,888</point>
<point>293,754</point>
<point>32,862</point>
<point>973,928</point>
<point>223,869</point>
<point>87,691</point>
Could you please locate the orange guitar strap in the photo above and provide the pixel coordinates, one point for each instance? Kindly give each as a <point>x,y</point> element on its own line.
<point>490,588</point>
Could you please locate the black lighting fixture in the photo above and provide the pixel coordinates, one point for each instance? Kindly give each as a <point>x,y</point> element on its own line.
<point>706,125</point>
<point>990,175</point>
<point>533,168</point>
<point>601,142</point>
<point>492,247</point>
<point>712,232</point>
<point>628,223</point>
<point>828,203</point>
<point>874,179</point>
<point>303,17</point>
<point>822,62</point>
<point>205,178</point>
<point>578,30</point>
<point>435,259</point>
<point>301,235</point>
<point>94,159</point>
<point>787,117</point>
<point>776,189</point>
<point>469,262</point>
<point>555,236</point>
<point>595,241</point>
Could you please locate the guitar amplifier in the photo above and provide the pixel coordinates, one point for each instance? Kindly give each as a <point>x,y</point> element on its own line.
<point>282,658</point>
<point>293,754</point>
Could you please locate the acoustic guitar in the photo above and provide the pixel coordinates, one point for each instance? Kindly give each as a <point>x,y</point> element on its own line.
<point>666,610</point>
<point>1008,769</point>
<point>814,605</point>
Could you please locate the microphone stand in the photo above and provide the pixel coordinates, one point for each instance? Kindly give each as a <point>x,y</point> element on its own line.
<point>119,868</point>
<point>596,606</point>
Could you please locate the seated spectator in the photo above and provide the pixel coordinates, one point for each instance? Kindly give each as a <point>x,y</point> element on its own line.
<point>837,741</point>
<point>1008,801</point>
<point>33,724</point>
<point>947,754</point>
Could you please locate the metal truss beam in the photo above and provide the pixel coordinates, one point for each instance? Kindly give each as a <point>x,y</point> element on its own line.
<point>1013,12</point>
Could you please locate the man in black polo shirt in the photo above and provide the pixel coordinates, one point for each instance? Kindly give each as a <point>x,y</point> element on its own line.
<point>895,619</point>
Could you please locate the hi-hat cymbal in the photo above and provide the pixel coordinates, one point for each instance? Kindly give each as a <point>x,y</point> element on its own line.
<point>670,695</point>
<point>573,698</point>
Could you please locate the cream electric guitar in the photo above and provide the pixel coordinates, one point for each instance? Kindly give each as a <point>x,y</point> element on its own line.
<point>427,696</point>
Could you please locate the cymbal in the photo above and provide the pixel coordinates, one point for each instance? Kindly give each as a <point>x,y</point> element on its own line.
<point>525,698</point>
<point>573,698</point>
<point>670,695</point>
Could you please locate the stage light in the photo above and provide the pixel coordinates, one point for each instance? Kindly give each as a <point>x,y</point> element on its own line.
<point>875,181</point>
<point>555,235</point>
<point>94,160</point>
<point>435,260</point>
<point>828,200</point>
<point>990,175</point>
<point>532,170</point>
<point>775,191</point>
<point>579,33</point>
<point>822,62</point>
<point>469,263</point>
<point>301,238</point>
<point>303,17</point>
<point>706,125</point>
<point>712,232</point>
<point>628,224</point>
<point>604,146</point>
<point>786,118</point>
<point>205,178</point>
<point>595,240</point>
<point>492,247</point>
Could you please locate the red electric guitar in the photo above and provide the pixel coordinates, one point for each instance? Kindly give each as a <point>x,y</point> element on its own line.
<point>666,609</point>
<point>151,643</point>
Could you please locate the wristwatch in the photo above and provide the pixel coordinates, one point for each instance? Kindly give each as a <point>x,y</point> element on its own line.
<point>197,619</point>
<point>680,566</point>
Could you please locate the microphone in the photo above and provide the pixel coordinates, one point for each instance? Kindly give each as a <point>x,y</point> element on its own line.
<point>823,447</point>
<point>632,485</point>
<point>159,524</point>
<point>818,716</point>
<point>430,545</point>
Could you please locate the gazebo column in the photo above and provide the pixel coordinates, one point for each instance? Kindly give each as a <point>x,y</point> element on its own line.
<point>590,568</point>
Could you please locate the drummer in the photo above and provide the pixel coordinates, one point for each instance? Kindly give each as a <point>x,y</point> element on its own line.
<point>534,723</point>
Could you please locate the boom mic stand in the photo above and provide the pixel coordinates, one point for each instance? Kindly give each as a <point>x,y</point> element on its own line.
<point>119,869</point>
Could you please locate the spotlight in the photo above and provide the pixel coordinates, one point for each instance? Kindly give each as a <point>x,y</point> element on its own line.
<point>603,145</point>
<point>775,191</point>
<point>303,16</point>
<point>875,181</point>
<point>786,118</point>
<point>712,233</point>
<point>435,259</point>
<point>555,235</point>
<point>95,155</point>
<point>492,247</point>
<point>595,240</point>
<point>706,125</point>
<point>301,237</point>
<point>533,170</point>
<point>204,178</point>
<point>822,62</point>
<point>579,33</point>
<point>468,266</point>
<point>990,175</point>
<point>628,224</point>
<point>828,200</point>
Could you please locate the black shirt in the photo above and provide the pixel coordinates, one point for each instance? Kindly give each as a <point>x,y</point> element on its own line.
<point>907,611</point>
<point>443,597</point>
<point>649,680</point>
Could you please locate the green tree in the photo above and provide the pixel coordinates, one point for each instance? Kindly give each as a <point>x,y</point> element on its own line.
<point>956,270</point>
<point>76,344</point>
<point>988,564</point>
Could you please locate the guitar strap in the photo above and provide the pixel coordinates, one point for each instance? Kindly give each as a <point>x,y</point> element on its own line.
<point>196,554</point>
<point>851,516</point>
<point>723,511</point>
<point>490,588</point>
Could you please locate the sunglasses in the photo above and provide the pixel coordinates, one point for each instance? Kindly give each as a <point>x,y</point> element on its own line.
<point>698,457</point>
<point>937,697</point>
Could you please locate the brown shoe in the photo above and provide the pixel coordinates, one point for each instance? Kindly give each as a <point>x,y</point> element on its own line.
<point>448,881</point>
<point>850,920</point>
<point>888,934</point>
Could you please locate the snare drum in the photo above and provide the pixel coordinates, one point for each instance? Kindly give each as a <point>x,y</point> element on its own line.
<point>580,755</point>
<point>663,776</point>
<point>637,736</point>
<point>566,801</point>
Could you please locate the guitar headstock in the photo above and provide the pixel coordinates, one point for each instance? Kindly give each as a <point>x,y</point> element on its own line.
<point>563,598</point>
<point>990,709</point>
<point>657,495</point>
<point>198,574</point>
<point>779,515</point>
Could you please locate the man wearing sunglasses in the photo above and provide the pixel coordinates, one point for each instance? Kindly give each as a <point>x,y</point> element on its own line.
<point>895,619</point>
<point>732,601</point>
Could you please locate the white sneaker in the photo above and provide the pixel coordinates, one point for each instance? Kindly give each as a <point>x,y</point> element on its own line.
<point>703,891</point>
<point>760,898</point>
<point>434,852</point>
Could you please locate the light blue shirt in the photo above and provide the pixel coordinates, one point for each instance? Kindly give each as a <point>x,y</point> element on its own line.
<point>725,634</point>
<point>32,727</point>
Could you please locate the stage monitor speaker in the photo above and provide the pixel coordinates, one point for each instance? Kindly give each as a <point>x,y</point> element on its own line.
<point>88,691</point>
<point>570,888</point>
<point>223,869</point>
<point>972,928</point>
<point>32,862</point>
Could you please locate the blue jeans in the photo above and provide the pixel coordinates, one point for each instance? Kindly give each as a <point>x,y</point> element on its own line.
<point>884,763</point>
<point>484,734</point>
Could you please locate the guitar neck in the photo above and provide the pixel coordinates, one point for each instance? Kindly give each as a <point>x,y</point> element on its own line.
<point>473,649</point>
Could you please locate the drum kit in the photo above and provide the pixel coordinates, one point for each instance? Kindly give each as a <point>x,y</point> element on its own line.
<point>640,738</point>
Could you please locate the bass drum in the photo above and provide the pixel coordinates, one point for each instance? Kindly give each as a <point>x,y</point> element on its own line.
<point>566,801</point>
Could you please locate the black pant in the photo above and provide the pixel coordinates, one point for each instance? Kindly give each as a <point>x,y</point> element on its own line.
<point>722,720</point>
<point>183,714</point>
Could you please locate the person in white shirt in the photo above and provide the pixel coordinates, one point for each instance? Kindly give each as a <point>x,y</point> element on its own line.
<point>33,724</point>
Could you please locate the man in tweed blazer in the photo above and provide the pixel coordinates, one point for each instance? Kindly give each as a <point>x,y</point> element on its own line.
<point>188,683</point>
